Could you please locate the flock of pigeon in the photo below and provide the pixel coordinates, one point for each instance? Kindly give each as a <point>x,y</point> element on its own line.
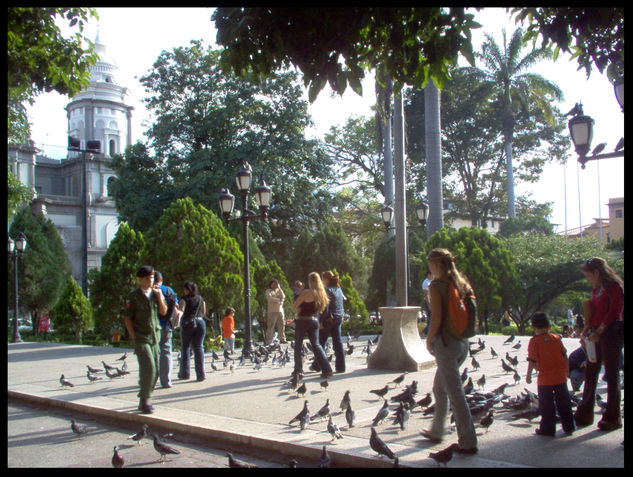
<point>398,408</point>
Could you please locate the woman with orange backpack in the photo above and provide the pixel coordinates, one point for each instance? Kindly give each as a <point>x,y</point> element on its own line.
<point>448,342</point>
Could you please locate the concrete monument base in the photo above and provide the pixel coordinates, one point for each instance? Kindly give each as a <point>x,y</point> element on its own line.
<point>400,347</point>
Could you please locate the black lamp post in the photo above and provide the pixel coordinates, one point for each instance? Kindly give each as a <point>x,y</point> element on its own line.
<point>262,197</point>
<point>16,249</point>
<point>421,212</point>
<point>74,144</point>
<point>581,131</point>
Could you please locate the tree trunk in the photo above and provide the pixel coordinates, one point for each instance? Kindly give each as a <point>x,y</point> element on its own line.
<point>432,127</point>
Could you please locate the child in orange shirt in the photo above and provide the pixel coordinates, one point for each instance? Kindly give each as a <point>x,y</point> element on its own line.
<point>548,355</point>
<point>228,329</point>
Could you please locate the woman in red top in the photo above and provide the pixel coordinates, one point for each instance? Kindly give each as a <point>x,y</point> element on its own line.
<point>605,327</point>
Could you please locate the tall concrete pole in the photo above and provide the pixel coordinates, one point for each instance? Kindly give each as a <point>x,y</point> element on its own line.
<point>432,127</point>
<point>400,204</point>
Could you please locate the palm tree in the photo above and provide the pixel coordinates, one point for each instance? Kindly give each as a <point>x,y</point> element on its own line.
<point>516,89</point>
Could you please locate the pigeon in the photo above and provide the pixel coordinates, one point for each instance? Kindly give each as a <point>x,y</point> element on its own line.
<point>107,367</point>
<point>301,390</point>
<point>481,382</point>
<point>500,389</point>
<point>112,375</point>
<point>350,349</point>
<point>324,460</point>
<point>333,429</point>
<point>599,148</point>
<point>487,420</point>
<point>324,384</point>
<point>138,437</point>
<point>162,448</point>
<point>474,363</point>
<point>293,464</point>
<point>350,415</point>
<point>324,411</point>
<point>92,377</point>
<point>121,372</point>
<point>380,392</point>
<point>238,464</point>
<point>425,401</point>
<point>64,382</point>
<point>78,429</point>
<point>399,379</point>
<point>510,339</point>
<point>93,370</point>
<point>493,353</point>
<point>513,361</point>
<point>117,459</point>
<point>516,377</point>
<point>122,358</point>
<point>124,367</point>
<point>529,414</point>
<point>601,402</point>
<point>464,375</point>
<point>619,145</point>
<point>304,411</point>
<point>506,368</point>
<point>469,386</point>
<point>214,355</point>
<point>402,416</point>
<point>445,455</point>
<point>213,366</point>
<point>345,401</point>
<point>377,444</point>
<point>575,111</point>
<point>517,346</point>
<point>383,412</point>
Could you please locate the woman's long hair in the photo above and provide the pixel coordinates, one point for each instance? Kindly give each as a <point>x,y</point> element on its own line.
<point>607,274</point>
<point>446,259</point>
<point>320,297</point>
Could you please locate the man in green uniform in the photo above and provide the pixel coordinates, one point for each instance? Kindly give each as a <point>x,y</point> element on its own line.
<point>141,312</point>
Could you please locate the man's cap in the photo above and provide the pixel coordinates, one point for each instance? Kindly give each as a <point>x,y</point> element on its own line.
<point>540,320</point>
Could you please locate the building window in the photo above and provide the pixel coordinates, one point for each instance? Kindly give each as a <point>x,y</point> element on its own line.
<point>112,147</point>
<point>111,181</point>
<point>619,213</point>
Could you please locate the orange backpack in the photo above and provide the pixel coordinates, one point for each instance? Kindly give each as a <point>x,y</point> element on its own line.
<point>461,315</point>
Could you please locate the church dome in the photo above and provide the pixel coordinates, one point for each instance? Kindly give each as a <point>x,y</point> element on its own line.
<point>105,70</point>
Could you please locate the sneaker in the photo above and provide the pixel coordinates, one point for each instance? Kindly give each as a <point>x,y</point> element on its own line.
<point>539,432</point>
<point>427,435</point>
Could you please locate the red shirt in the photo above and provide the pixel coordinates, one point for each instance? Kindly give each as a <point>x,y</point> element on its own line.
<point>608,306</point>
<point>228,326</point>
<point>549,354</point>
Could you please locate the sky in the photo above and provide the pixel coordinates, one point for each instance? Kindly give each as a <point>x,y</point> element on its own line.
<point>135,37</point>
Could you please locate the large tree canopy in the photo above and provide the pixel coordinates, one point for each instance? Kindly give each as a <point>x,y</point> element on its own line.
<point>335,45</point>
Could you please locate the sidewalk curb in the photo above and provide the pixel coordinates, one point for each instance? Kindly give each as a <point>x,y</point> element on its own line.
<point>288,449</point>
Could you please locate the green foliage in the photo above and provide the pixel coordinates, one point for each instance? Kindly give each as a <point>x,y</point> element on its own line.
<point>42,268</point>
<point>383,274</point>
<point>189,242</point>
<point>598,34</point>
<point>547,266</point>
<point>17,194</point>
<point>73,312</point>
<point>353,306</point>
<point>335,46</point>
<point>526,225</point>
<point>110,285</point>
<point>617,244</point>
<point>486,262</point>
<point>40,59</point>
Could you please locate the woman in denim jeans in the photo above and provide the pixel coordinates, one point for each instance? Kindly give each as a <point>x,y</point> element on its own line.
<point>309,302</point>
<point>331,320</point>
<point>192,331</point>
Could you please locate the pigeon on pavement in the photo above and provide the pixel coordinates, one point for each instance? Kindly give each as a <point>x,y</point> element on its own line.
<point>350,415</point>
<point>138,437</point>
<point>345,401</point>
<point>487,420</point>
<point>445,455</point>
<point>324,460</point>
<point>94,370</point>
<point>107,367</point>
<point>78,429</point>
<point>510,339</point>
<point>123,358</point>
<point>238,464</point>
<point>333,429</point>
<point>380,392</point>
<point>383,412</point>
<point>323,412</point>
<point>377,444</point>
<point>162,448</point>
<point>117,459</point>
<point>64,382</point>
<point>304,411</point>
<point>399,379</point>
<point>93,377</point>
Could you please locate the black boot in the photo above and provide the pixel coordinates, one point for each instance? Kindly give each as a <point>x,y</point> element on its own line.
<point>145,407</point>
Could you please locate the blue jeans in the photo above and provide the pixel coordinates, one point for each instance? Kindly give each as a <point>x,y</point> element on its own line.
<point>310,328</point>
<point>193,337</point>
<point>165,356</point>
<point>333,329</point>
<point>556,395</point>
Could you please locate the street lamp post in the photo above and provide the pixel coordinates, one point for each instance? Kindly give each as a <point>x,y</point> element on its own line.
<point>16,249</point>
<point>227,200</point>
<point>421,212</point>
<point>581,131</point>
